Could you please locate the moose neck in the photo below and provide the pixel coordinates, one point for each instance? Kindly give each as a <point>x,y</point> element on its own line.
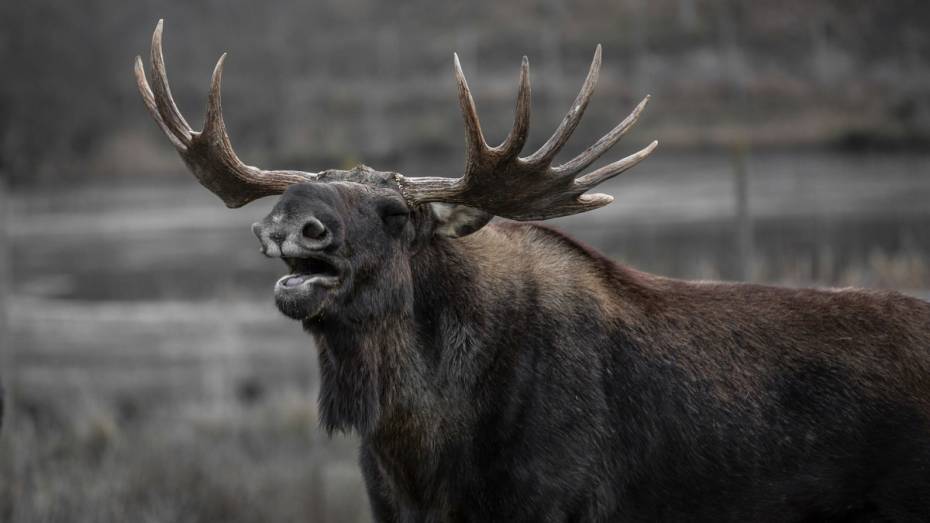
<point>402,364</point>
<point>384,368</point>
<point>360,358</point>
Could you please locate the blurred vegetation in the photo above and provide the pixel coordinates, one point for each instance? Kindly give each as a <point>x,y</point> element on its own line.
<point>262,462</point>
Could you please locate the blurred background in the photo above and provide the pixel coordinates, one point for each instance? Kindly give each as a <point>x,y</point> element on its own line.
<point>149,376</point>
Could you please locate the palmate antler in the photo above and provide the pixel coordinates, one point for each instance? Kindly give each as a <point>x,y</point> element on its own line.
<point>496,180</point>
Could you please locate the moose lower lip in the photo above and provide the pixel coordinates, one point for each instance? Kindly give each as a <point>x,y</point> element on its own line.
<point>295,281</point>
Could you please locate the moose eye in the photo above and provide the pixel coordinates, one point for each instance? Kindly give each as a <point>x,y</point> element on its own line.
<point>394,214</point>
<point>396,220</point>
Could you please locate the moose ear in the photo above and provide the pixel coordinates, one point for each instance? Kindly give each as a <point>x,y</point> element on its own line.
<point>455,221</point>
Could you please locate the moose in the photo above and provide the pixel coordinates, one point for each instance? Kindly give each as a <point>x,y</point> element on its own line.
<point>502,371</point>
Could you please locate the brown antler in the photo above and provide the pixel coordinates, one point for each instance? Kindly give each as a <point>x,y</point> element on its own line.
<point>498,181</point>
<point>208,154</point>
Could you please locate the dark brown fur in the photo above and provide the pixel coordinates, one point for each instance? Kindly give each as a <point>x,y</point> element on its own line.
<point>508,373</point>
<point>516,375</point>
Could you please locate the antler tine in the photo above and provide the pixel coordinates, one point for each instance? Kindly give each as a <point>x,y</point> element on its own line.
<point>591,154</point>
<point>607,172</point>
<point>165,102</point>
<point>521,122</point>
<point>474,138</point>
<point>214,124</point>
<point>554,144</point>
<point>214,127</point>
<point>208,154</point>
<point>149,99</point>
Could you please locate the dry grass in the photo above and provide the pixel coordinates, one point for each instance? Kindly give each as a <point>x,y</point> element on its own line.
<point>906,270</point>
<point>256,464</point>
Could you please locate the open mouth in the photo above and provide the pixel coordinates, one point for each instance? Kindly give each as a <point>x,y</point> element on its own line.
<point>310,271</point>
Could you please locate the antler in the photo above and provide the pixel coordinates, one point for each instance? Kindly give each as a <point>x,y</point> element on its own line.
<point>497,180</point>
<point>208,154</point>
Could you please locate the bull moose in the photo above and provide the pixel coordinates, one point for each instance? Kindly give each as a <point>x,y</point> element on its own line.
<point>505,372</point>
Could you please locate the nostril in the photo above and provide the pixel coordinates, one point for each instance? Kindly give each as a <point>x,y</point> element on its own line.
<point>314,229</point>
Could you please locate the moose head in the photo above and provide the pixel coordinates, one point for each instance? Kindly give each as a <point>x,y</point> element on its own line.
<point>347,236</point>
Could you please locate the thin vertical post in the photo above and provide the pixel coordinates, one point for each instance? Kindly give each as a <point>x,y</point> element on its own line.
<point>744,225</point>
<point>7,356</point>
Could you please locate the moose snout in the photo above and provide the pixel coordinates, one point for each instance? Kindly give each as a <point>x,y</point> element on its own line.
<point>291,238</point>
